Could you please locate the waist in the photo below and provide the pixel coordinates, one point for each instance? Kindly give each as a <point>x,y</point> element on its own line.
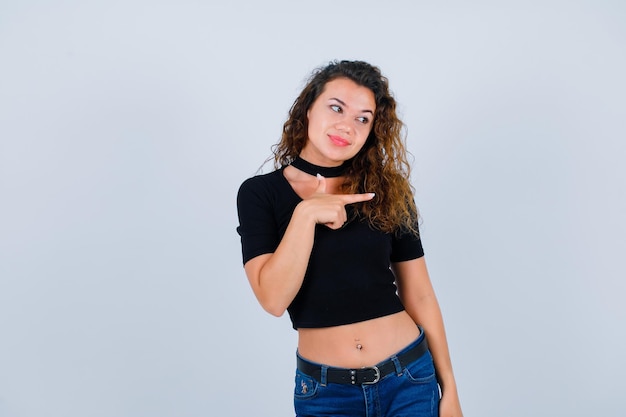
<point>359,344</point>
<point>365,375</point>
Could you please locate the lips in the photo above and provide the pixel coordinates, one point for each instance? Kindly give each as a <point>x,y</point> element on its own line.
<point>338,140</point>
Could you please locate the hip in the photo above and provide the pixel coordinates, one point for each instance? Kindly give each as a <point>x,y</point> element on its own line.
<point>403,384</point>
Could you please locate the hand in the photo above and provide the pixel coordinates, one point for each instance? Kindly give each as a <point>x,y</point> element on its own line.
<point>329,209</point>
<point>449,406</point>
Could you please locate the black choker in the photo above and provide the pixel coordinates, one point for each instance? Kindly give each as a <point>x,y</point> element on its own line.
<point>327,172</point>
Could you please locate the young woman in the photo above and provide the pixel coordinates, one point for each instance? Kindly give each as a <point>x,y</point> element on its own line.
<point>332,237</point>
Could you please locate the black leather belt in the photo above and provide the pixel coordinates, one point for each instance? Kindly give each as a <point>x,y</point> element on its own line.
<point>363,376</point>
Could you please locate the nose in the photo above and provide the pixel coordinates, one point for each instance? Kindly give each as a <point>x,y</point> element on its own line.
<point>343,125</point>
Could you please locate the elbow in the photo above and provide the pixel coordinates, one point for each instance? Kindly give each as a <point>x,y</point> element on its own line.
<point>274,307</point>
<point>274,310</point>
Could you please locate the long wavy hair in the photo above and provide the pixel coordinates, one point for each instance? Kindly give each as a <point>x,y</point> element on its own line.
<point>381,166</point>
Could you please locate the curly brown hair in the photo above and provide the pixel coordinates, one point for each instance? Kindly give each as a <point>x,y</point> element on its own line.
<point>381,166</point>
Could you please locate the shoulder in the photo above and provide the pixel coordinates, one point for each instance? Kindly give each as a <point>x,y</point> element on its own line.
<point>262,182</point>
<point>263,189</point>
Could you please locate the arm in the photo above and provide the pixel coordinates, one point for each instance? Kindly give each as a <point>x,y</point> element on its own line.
<point>418,296</point>
<point>276,277</point>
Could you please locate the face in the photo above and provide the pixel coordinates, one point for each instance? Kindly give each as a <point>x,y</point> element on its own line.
<point>340,120</point>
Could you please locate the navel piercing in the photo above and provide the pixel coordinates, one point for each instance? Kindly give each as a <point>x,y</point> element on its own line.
<point>359,346</point>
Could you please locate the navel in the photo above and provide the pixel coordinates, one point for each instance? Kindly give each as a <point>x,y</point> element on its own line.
<point>359,346</point>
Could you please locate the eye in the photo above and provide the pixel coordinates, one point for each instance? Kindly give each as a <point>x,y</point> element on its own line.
<point>336,108</point>
<point>363,120</point>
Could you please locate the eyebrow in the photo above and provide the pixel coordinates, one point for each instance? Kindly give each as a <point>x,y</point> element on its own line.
<point>344,104</point>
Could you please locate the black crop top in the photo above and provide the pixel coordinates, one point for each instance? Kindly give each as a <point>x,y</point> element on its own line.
<point>348,278</point>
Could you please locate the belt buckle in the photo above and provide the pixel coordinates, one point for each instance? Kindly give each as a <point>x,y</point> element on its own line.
<point>375,368</point>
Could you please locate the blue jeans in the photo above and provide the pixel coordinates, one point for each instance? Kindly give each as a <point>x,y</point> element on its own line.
<point>409,392</point>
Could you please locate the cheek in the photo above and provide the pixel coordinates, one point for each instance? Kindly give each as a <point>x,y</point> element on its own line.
<point>366,136</point>
<point>311,120</point>
<point>365,132</point>
<point>310,127</point>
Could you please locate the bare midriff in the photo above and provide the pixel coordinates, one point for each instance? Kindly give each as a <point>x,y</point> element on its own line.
<point>359,344</point>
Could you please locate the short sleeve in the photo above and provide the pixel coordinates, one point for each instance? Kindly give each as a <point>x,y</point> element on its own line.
<point>257,223</point>
<point>407,246</point>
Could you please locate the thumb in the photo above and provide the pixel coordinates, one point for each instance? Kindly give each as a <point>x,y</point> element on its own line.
<point>321,185</point>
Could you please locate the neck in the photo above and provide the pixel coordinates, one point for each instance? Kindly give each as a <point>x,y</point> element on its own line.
<point>312,169</point>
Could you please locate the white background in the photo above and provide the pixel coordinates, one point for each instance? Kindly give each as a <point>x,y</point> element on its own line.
<point>127,126</point>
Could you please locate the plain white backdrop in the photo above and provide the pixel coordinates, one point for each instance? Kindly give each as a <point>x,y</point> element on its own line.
<point>126,128</point>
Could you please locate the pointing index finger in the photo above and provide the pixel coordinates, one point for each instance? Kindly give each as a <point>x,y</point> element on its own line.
<point>357,198</point>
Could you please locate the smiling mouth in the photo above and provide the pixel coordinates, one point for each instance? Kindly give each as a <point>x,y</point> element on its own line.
<point>338,140</point>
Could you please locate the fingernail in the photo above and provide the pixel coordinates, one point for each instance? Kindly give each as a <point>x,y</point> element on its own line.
<point>319,176</point>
